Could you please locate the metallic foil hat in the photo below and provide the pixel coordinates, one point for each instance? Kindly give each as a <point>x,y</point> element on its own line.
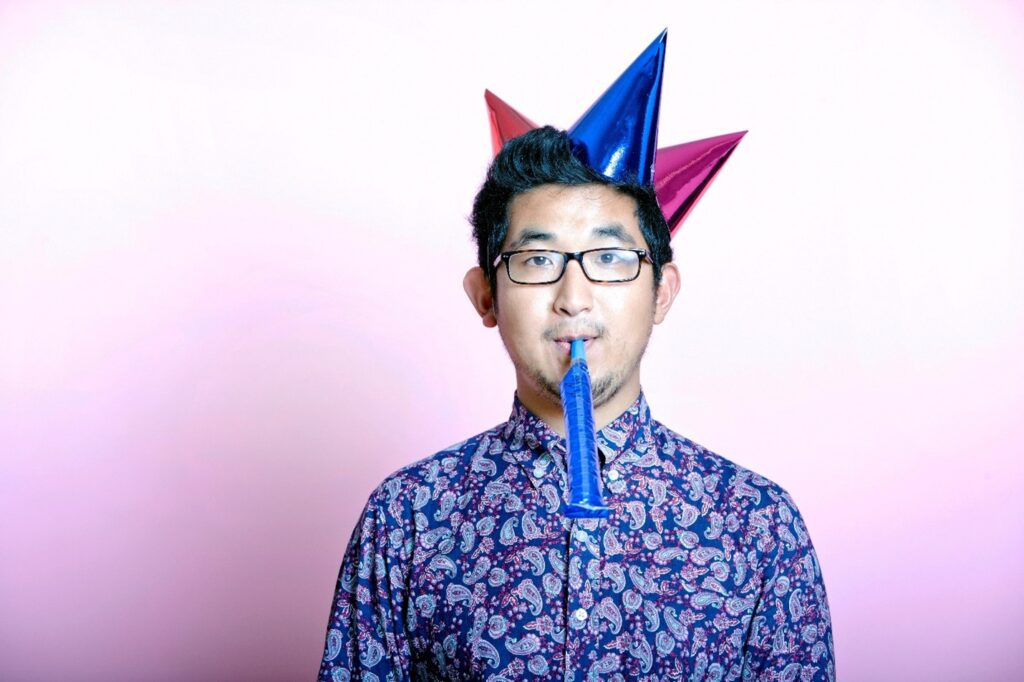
<point>618,134</point>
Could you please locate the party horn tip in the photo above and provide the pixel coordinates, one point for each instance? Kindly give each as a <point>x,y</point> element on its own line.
<point>576,352</point>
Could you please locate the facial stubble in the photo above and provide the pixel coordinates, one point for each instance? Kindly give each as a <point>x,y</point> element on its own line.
<point>603,388</point>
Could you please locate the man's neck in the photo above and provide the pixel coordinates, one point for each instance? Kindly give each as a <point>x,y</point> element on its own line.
<point>550,410</point>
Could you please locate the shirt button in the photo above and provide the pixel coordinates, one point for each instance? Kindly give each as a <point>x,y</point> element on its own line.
<point>580,614</point>
<point>613,474</point>
<point>581,535</point>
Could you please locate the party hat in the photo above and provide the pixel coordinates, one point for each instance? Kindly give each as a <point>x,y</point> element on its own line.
<point>618,134</point>
<point>683,172</point>
<point>506,122</point>
<point>617,137</point>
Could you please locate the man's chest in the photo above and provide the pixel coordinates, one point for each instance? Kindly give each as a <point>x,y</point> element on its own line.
<point>508,588</point>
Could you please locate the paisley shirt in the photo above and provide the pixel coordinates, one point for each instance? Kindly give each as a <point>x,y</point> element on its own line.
<point>464,566</point>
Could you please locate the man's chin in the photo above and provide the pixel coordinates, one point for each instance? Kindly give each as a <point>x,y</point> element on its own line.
<point>604,390</point>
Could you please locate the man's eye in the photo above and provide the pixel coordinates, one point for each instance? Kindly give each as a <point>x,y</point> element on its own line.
<point>609,257</point>
<point>539,261</point>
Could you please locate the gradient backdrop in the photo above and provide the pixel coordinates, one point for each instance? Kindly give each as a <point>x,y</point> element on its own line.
<point>232,237</point>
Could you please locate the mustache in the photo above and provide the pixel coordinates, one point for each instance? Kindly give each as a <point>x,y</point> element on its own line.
<point>593,330</point>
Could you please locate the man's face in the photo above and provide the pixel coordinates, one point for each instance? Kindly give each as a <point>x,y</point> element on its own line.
<point>537,322</point>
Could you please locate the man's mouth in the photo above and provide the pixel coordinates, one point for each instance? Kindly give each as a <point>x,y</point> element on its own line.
<point>564,343</point>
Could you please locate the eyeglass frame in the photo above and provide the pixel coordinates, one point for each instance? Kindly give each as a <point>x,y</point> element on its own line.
<point>577,256</point>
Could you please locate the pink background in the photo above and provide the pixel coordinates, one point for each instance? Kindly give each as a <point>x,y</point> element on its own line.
<point>232,236</point>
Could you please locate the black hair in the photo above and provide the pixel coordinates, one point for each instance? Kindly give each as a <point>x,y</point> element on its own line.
<point>541,157</point>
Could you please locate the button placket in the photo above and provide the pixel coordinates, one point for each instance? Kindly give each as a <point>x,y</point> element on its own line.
<point>584,549</point>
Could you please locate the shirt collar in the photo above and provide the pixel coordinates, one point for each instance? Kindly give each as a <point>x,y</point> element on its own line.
<point>531,442</point>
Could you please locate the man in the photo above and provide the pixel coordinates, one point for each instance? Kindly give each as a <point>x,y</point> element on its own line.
<point>464,565</point>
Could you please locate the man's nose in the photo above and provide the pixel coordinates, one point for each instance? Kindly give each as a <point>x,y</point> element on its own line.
<point>575,293</point>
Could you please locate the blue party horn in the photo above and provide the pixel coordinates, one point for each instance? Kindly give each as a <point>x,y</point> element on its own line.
<point>585,500</point>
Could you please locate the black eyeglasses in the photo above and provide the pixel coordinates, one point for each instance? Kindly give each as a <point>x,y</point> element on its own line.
<point>537,266</point>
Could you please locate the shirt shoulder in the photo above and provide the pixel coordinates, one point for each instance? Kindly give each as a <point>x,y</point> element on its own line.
<point>737,502</point>
<point>427,480</point>
<point>730,483</point>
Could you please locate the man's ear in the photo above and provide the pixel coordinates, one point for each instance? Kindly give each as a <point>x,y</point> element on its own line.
<point>479,291</point>
<point>666,292</point>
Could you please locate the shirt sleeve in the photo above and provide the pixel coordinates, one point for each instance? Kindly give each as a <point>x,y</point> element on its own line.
<point>366,637</point>
<point>791,629</point>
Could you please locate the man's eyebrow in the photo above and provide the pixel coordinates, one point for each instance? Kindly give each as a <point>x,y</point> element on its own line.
<point>615,231</point>
<point>530,235</point>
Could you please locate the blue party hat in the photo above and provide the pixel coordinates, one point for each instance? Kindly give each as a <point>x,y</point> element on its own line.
<point>618,134</point>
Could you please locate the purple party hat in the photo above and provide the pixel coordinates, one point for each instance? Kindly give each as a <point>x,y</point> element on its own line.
<point>683,172</point>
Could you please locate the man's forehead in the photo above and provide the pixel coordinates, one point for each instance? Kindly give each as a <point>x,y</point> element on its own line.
<point>553,212</point>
